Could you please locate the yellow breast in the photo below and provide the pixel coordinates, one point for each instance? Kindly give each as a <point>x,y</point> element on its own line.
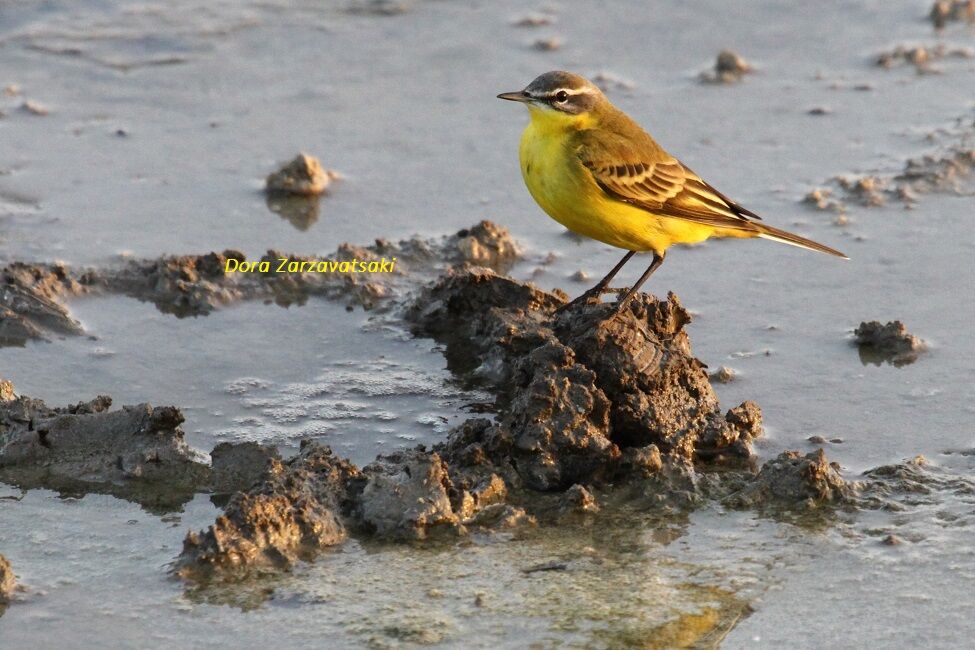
<point>566,191</point>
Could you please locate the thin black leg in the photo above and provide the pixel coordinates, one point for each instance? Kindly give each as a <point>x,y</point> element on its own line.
<point>602,284</point>
<point>654,265</point>
<point>600,287</point>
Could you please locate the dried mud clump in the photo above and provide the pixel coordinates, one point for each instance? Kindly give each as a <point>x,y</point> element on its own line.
<point>554,430</point>
<point>578,393</point>
<point>932,173</point>
<point>577,499</point>
<point>29,302</point>
<point>660,393</point>
<point>304,176</point>
<point>137,453</point>
<point>794,480</point>
<point>416,495</point>
<point>948,170</point>
<point>8,583</point>
<point>946,11</point>
<point>183,285</point>
<point>484,244</point>
<point>32,296</point>
<point>486,320</point>
<point>890,342</point>
<point>868,191</point>
<point>611,82</point>
<point>312,501</point>
<point>821,198</point>
<point>549,44</point>
<point>921,57</point>
<point>729,68</point>
<point>724,375</point>
<point>237,466</point>
<point>406,495</point>
<point>910,483</point>
<point>379,7</point>
<point>292,513</point>
<point>34,108</point>
<point>533,20</point>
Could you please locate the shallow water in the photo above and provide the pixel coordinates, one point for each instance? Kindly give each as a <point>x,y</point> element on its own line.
<point>165,117</point>
<point>257,372</point>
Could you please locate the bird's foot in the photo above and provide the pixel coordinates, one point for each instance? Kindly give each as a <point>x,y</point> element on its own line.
<point>619,305</point>
<point>591,295</point>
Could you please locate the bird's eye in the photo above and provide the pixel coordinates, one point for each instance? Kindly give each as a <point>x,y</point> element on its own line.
<point>561,96</point>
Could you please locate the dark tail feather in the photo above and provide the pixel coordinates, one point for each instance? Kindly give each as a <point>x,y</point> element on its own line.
<point>768,232</point>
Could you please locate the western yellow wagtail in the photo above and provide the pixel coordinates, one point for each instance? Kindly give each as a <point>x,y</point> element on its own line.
<point>595,171</point>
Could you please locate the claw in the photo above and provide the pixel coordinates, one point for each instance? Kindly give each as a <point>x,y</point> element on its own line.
<point>572,303</point>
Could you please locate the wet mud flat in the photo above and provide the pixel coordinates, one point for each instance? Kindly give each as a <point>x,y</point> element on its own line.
<point>516,529</point>
<point>595,419</point>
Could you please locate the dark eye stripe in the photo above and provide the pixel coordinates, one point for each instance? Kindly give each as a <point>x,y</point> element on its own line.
<point>554,96</point>
<point>574,103</point>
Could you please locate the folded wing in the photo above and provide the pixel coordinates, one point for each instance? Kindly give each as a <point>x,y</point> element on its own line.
<point>661,184</point>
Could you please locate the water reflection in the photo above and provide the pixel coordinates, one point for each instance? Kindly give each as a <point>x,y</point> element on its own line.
<point>301,211</point>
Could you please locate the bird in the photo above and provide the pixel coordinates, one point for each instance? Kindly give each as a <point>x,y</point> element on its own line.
<point>594,170</point>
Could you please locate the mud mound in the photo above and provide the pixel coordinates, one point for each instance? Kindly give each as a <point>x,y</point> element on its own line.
<point>293,512</point>
<point>136,453</point>
<point>193,285</point>
<point>310,502</point>
<point>578,388</point>
<point>585,403</point>
<point>800,482</point>
<point>32,296</point>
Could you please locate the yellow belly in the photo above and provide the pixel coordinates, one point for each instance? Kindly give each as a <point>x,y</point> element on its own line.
<point>567,192</point>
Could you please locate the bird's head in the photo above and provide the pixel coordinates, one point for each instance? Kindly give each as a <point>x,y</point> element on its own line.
<point>560,98</point>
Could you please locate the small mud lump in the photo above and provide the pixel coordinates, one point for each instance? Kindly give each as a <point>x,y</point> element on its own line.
<point>729,68</point>
<point>793,481</point>
<point>406,496</point>
<point>945,11</point>
<point>890,342</point>
<point>304,175</point>
<point>578,499</point>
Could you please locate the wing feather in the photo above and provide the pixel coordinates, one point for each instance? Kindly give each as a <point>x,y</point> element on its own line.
<point>661,184</point>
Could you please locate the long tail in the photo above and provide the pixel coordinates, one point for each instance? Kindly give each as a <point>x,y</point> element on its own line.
<point>768,232</point>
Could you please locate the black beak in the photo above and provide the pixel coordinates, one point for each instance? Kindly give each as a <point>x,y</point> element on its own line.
<point>517,96</point>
